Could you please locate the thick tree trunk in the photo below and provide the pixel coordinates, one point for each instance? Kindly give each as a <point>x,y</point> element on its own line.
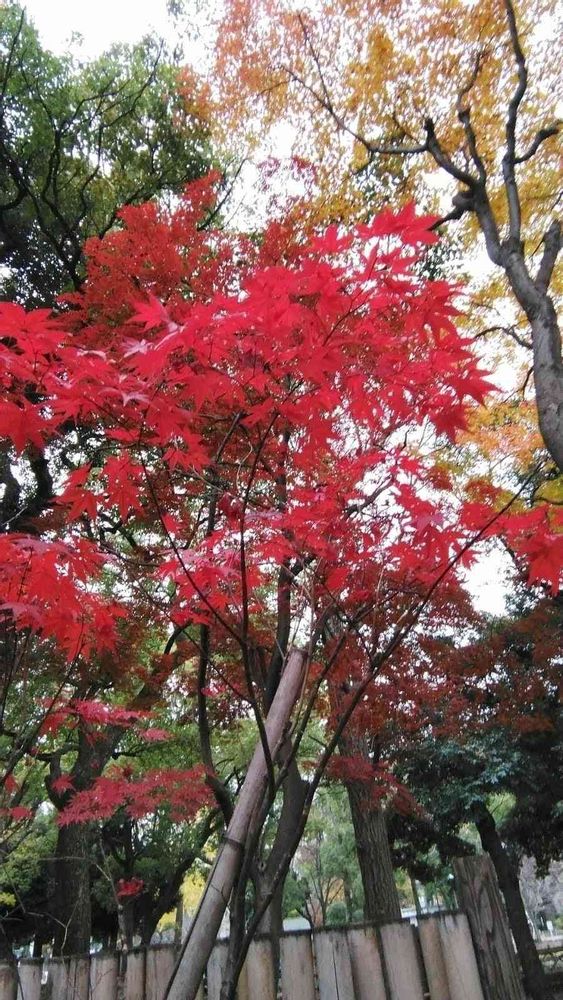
<point>72,880</point>
<point>381,899</point>
<point>534,976</point>
<point>531,293</point>
<point>294,791</point>
<point>6,952</point>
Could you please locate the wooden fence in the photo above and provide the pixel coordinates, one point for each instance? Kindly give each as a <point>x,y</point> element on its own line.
<point>397,961</point>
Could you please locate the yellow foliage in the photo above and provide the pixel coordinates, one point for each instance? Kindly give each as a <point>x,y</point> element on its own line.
<point>376,69</point>
<point>507,430</point>
<point>358,79</point>
<point>192,888</point>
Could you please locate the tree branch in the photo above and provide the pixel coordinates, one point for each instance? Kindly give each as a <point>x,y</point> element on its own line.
<point>541,136</point>
<point>509,158</point>
<point>552,246</point>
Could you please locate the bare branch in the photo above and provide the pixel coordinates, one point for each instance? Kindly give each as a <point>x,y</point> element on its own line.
<point>328,107</point>
<point>540,136</point>
<point>509,158</point>
<point>510,331</point>
<point>325,101</point>
<point>552,246</point>
<point>443,159</point>
<point>464,116</point>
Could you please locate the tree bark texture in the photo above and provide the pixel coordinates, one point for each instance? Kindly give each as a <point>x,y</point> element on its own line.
<point>381,899</point>
<point>535,980</point>
<point>479,896</point>
<point>73,925</point>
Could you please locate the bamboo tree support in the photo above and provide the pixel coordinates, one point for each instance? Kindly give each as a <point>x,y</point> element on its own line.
<point>203,932</point>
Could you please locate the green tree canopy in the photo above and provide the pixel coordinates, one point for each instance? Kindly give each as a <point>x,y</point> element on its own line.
<point>80,139</point>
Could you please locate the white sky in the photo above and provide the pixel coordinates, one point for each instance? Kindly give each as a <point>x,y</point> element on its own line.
<point>100,22</point>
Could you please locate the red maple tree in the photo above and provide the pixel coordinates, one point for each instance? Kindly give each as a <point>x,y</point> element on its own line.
<point>239,436</point>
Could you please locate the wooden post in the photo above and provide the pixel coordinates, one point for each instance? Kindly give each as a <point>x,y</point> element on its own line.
<point>480,898</point>
<point>367,971</point>
<point>135,975</point>
<point>433,957</point>
<point>29,979</point>
<point>334,967</point>
<point>70,978</point>
<point>103,977</point>
<point>159,967</point>
<point>260,970</point>
<point>297,970</point>
<point>459,957</point>
<point>401,961</point>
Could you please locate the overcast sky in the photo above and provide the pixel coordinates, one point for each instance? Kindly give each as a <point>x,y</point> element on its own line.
<point>100,22</point>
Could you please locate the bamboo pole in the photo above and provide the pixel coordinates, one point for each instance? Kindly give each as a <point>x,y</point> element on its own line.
<point>203,932</point>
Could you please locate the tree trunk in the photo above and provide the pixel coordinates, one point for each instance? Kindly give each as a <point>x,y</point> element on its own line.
<point>294,791</point>
<point>416,897</point>
<point>6,951</point>
<point>381,899</point>
<point>272,923</point>
<point>262,875</point>
<point>72,881</point>
<point>535,981</point>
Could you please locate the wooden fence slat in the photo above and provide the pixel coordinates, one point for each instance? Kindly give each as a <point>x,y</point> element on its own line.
<point>401,962</point>
<point>358,963</point>
<point>69,979</point>
<point>433,956</point>
<point>459,957</point>
<point>8,981</point>
<point>334,968</point>
<point>245,989</point>
<point>160,966</point>
<point>367,971</point>
<point>215,969</point>
<point>29,979</point>
<point>479,895</point>
<point>297,972</point>
<point>259,971</point>
<point>135,976</point>
<point>103,977</point>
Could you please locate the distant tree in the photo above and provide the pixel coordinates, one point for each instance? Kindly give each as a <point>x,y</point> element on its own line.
<point>26,885</point>
<point>325,869</point>
<point>78,140</point>
<point>457,782</point>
